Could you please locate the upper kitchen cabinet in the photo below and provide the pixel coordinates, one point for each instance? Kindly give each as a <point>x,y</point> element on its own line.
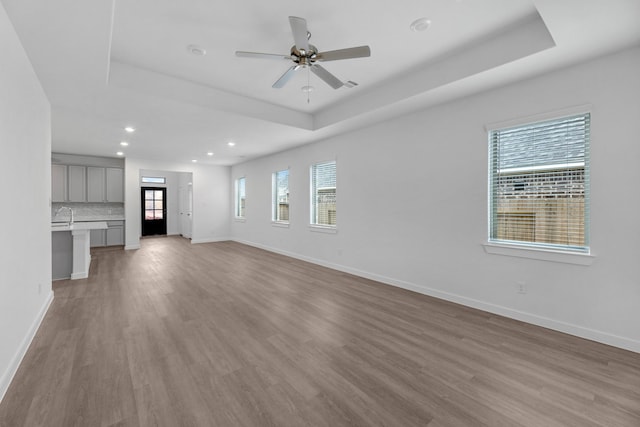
<point>95,184</point>
<point>58,183</point>
<point>68,183</point>
<point>115,185</point>
<point>105,184</point>
<point>90,179</point>
<point>77,182</point>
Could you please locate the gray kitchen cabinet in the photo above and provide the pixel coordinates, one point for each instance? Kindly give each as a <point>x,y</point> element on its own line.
<point>115,185</point>
<point>61,255</point>
<point>105,184</point>
<point>112,236</point>
<point>115,233</point>
<point>58,183</point>
<point>95,184</point>
<point>97,238</point>
<point>77,183</point>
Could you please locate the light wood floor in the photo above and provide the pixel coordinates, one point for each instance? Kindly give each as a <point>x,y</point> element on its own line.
<point>223,334</point>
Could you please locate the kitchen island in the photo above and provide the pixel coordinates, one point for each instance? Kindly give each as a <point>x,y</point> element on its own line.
<point>70,248</point>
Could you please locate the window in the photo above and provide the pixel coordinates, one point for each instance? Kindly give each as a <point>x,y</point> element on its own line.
<point>154,180</point>
<point>323,194</point>
<point>280,212</point>
<point>240,197</point>
<point>539,184</point>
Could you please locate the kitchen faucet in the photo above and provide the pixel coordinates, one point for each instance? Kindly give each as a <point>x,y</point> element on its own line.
<point>70,210</point>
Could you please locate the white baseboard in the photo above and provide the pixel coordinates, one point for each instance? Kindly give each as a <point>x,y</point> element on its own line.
<point>210,240</point>
<point>568,328</point>
<point>8,375</point>
<point>131,247</point>
<point>79,275</point>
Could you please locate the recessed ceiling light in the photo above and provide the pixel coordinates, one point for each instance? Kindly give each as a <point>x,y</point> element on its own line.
<point>194,161</point>
<point>196,50</point>
<point>307,89</point>
<point>231,144</point>
<point>130,129</point>
<point>124,143</point>
<point>210,153</point>
<point>421,24</point>
<point>120,153</point>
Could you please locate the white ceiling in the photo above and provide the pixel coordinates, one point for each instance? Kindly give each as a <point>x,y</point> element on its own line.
<point>105,65</point>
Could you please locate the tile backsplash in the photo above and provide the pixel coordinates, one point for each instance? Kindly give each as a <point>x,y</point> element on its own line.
<point>88,212</point>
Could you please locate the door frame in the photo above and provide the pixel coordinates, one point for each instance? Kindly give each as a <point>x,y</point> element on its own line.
<point>163,226</point>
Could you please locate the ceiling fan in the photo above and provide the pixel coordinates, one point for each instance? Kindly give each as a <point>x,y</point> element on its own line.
<point>304,54</point>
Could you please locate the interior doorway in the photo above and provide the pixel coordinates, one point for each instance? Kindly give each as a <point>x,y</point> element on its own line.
<point>154,210</point>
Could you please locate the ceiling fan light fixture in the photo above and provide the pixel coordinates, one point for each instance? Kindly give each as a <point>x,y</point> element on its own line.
<point>421,24</point>
<point>307,89</point>
<point>196,50</point>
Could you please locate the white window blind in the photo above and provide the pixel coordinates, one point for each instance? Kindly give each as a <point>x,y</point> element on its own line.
<point>539,184</point>
<point>240,197</point>
<point>323,194</point>
<point>280,212</point>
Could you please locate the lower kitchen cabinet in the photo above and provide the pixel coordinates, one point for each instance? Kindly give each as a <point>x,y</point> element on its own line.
<point>115,233</point>
<point>97,238</point>
<point>112,236</point>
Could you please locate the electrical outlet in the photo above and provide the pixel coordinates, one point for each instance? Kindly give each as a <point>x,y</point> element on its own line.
<point>522,287</point>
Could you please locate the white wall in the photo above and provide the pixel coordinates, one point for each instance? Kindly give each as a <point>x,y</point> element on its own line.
<point>25,172</point>
<point>211,204</point>
<point>412,205</point>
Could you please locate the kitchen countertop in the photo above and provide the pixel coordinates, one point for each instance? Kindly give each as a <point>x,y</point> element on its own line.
<point>78,225</point>
<point>84,218</point>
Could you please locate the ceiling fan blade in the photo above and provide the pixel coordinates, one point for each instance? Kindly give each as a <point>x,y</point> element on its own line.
<point>285,77</point>
<point>351,52</point>
<point>299,30</point>
<point>261,55</point>
<point>328,78</point>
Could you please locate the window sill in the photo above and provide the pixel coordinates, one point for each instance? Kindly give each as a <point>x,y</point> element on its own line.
<point>280,224</point>
<point>323,229</point>
<point>539,254</point>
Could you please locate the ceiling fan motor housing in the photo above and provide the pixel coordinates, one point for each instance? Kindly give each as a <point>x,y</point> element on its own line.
<point>303,57</point>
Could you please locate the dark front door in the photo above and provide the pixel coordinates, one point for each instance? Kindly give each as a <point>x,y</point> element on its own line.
<point>154,211</point>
